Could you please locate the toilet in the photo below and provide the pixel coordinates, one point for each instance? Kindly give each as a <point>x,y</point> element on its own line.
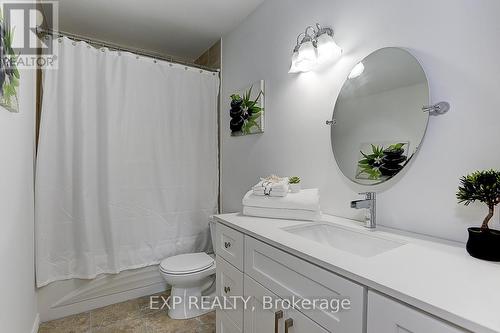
<point>190,275</point>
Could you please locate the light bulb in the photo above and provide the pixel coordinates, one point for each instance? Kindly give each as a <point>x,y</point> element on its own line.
<point>356,71</point>
<point>328,50</point>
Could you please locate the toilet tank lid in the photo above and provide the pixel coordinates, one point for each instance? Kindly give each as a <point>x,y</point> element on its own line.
<point>187,263</point>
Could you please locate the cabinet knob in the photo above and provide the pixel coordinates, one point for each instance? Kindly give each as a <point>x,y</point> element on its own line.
<point>227,245</point>
<point>277,316</point>
<point>288,324</point>
<point>227,289</point>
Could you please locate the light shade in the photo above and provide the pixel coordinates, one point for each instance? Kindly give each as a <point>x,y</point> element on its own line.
<point>293,66</point>
<point>306,58</point>
<point>356,71</point>
<point>328,50</point>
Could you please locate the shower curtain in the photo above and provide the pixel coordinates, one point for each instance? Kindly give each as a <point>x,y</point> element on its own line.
<point>127,169</point>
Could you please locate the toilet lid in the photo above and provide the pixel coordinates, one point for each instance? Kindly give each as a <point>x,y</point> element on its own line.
<point>186,263</point>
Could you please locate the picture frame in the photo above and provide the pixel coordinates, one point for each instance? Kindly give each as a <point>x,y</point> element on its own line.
<point>247,109</point>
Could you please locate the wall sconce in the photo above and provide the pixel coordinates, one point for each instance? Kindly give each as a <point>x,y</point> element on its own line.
<point>317,46</point>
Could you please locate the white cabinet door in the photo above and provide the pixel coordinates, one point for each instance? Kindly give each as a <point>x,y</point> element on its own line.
<point>257,319</point>
<point>260,318</point>
<point>387,315</point>
<point>229,283</point>
<point>223,324</point>
<point>286,276</point>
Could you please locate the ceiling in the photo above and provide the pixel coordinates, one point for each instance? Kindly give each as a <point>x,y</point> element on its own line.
<point>180,28</point>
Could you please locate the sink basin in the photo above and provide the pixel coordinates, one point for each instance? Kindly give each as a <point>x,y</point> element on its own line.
<point>352,241</point>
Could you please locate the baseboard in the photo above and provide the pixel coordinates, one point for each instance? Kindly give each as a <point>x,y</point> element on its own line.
<point>36,324</point>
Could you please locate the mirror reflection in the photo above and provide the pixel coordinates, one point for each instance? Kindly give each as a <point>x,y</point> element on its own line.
<point>378,118</point>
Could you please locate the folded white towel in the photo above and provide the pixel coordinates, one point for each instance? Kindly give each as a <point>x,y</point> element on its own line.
<point>307,199</point>
<point>272,192</point>
<point>272,186</point>
<point>280,213</point>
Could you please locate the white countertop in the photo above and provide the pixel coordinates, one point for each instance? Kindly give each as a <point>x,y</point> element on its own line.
<point>436,276</point>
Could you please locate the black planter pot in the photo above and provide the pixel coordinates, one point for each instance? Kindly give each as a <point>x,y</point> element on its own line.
<point>484,244</point>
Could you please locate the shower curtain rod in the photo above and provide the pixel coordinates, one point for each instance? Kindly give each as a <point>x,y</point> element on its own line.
<point>116,47</point>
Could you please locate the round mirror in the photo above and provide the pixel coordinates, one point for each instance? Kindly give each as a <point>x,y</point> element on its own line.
<point>378,121</point>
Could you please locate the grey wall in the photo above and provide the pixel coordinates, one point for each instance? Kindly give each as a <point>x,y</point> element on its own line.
<point>458,45</point>
<point>18,307</point>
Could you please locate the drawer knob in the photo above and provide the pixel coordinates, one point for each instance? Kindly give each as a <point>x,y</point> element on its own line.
<point>288,324</point>
<point>227,245</point>
<point>227,289</point>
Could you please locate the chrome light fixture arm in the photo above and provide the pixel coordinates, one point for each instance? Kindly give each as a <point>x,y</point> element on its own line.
<point>323,30</point>
<point>299,41</point>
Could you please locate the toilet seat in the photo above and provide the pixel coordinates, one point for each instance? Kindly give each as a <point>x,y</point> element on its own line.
<point>188,263</point>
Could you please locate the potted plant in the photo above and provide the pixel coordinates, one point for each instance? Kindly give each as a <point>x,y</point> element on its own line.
<point>482,186</point>
<point>294,184</point>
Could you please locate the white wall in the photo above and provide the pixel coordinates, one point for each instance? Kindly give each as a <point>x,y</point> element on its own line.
<point>457,44</point>
<point>17,279</point>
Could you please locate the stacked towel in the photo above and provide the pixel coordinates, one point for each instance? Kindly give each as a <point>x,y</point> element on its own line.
<point>303,205</point>
<point>271,186</point>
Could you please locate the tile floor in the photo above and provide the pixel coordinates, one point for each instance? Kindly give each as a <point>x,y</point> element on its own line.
<point>134,316</point>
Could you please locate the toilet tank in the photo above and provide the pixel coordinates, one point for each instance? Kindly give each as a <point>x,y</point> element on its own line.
<point>212,224</point>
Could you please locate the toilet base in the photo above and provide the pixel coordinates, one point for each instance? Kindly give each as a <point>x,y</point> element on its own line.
<point>184,303</point>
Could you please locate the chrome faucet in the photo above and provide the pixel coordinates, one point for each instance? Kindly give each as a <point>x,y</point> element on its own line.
<point>369,203</point>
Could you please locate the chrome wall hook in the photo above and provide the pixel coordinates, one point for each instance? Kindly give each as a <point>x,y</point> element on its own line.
<point>437,109</point>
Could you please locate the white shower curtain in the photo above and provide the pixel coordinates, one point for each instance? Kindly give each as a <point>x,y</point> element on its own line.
<point>127,169</point>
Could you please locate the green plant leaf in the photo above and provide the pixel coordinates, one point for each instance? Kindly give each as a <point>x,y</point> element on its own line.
<point>255,116</point>
<point>234,97</point>
<point>482,186</point>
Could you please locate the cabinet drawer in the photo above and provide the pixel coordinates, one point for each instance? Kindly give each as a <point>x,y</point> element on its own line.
<point>387,315</point>
<point>259,319</point>
<point>287,276</point>
<point>229,245</point>
<point>229,282</point>
<point>223,324</point>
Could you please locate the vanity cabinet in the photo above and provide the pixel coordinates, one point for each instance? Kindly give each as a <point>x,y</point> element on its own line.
<point>251,268</point>
<point>388,315</point>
